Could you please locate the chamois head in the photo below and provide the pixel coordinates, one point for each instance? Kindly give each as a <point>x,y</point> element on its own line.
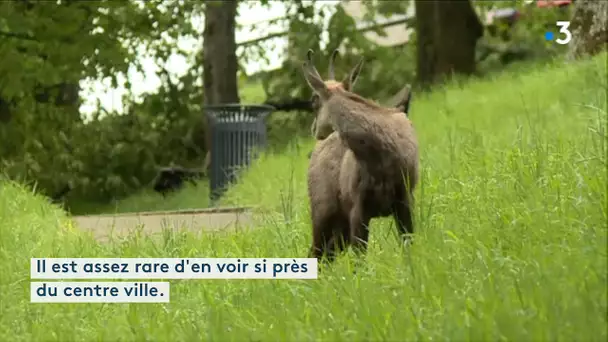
<point>322,90</point>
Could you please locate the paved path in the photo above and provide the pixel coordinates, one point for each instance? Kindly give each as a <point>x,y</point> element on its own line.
<point>196,220</point>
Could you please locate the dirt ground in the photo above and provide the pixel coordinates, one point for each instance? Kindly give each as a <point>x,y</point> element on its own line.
<point>199,220</point>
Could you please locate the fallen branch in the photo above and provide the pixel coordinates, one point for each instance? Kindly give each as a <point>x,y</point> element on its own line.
<point>173,178</point>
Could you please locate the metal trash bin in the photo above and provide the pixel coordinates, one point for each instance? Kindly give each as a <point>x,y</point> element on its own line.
<point>238,132</point>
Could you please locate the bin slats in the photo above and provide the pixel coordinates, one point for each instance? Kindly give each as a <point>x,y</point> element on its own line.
<point>236,132</point>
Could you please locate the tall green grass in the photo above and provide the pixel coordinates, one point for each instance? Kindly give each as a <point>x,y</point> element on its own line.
<point>511,219</point>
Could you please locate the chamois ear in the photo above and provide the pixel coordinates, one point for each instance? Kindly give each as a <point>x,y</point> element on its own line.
<point>316,84</point>
<point>314,79</point>
<point>313,127</point>
<point>402,99</point>
<point>352,77</point>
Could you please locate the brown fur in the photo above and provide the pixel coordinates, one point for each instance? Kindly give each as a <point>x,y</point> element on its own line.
<point>366,167</point>
<point>400,101</point>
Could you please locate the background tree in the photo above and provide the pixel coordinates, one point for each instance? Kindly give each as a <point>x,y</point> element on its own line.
<point>220,63</point>
<point>219,52</point>
<point>447,34</point>
<point>589,26</point>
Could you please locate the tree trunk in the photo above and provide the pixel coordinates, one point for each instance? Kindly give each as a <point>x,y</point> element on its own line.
<point>219,53</point>
<point>447,34</point>
<point>220,64</point>
<point>589,26</point>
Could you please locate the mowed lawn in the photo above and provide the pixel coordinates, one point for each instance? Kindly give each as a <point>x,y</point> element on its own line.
<point>511,220</point>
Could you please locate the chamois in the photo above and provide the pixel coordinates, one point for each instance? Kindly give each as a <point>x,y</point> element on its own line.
<point>364,165</point>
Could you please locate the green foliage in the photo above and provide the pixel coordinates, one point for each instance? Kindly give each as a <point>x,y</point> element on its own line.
<point>524,40</point>
<point>387,69</point>
<point>165,129</point>
<point>43,44</point>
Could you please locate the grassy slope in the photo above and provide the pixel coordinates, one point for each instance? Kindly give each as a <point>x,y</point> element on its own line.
<point>511,217</point>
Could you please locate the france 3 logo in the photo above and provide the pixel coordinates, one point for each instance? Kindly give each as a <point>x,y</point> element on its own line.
<point>563,30</point>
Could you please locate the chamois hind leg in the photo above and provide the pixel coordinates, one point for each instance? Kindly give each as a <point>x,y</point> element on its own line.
<point>402,213</point>
<point>330,236</point>
<point>340,239</point>
<point>359,229</point>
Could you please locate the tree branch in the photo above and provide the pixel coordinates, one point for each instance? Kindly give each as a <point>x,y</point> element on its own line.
<point>288,105</point>
<point>21,36</point>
